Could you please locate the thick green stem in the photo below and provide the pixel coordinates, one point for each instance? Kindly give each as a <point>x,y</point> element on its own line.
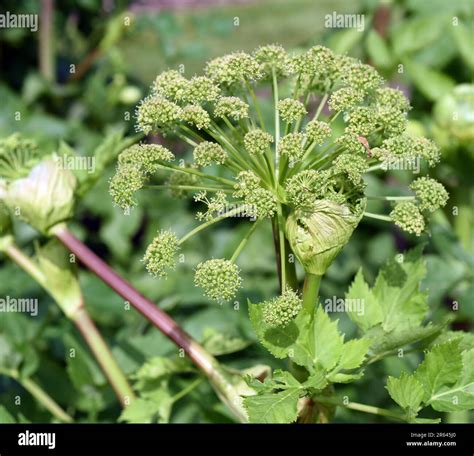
<point>310,291</point>
<point>104,356</point>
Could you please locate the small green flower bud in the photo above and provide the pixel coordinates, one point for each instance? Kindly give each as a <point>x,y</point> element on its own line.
<point>155,113</point>
<point>145,156</point>
<point>344,99</point>
<point>408,217</point>
<point>215,204</point>
<point>232,107</point>
<point>274,57</point>
<point>351,143</point>
<point>208,153</point>
<point>257,141</point>
<point>200,89</point>
<point>319,64</point>
<point>44,198</point>
<point>261,203</point>
<point>234,68</point>
<point>291,145</point>
<point>219,279</point>
<point>431,194</point>
<point>361,76</point>
<point>291,110</point>
<point>354,166</point>
<point>361,120</point>
<point>17,156</point>
<point>304,188</point>
<point>127,180</point>
<point>160,254</point>
<point>393,98</point>
<point>318,236</point>
<point>281,311</point>
<point>197,116</point>
<point>317,131</point>
<point>170,84</point>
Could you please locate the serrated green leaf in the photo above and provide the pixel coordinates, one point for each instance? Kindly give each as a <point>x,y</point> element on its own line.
<point>397,291</point>
<point>372,315</point>
<point>441,367</point>
<point>273,408</point>
<point>317,380</point>
<point>386,342</point>
<point>282,342</point>
<point>153,409</point>
<point>406,391</point>
<point>353,353</point>
<point>459,396</point>
<point>324,341</point>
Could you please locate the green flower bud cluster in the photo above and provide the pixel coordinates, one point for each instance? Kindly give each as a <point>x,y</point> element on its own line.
<point>407,216</point>
<point>360,76</point>
<point>431,194</point>
<point>156,112</point>
<point>232,107</point>
<point>208,153</point>
<point>145,156</point>
<point>160,254</point>
<point>405,146</point>
<point>127,180</point>
<point>197,116</point>
<point>274,57</point>
<point>257,141</point>
<point>17,156</point>
<point>219,279</point>
<point>262,203</point>
<point>201,89</point>
<point>291,110</point>
<point>234,68</point>
<point>361,120</point>
<point>281,311</point>
<point>304,188</point>
<point>317,131</point>
<point>318,66</point>
<point>344,99</point>
<point>170,84</point>
<point>135,165</point>
<point>352,143</point>
<point>291,145</point>
<point>215,204</point>
<point>353,166</point>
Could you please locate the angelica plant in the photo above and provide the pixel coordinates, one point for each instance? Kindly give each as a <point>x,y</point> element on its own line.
<point>303,171</point>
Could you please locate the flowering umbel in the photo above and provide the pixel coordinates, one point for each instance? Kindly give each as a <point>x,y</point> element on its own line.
<point>303,168</point>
